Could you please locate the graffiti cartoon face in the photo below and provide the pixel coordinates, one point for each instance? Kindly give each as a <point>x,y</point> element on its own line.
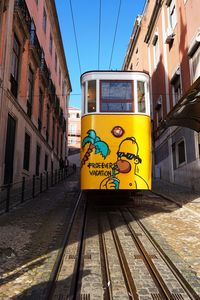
<point>127,155</point>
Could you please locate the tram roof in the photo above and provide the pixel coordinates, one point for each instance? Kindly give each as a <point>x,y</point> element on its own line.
<point>186,112</point>
<point>113,71</point>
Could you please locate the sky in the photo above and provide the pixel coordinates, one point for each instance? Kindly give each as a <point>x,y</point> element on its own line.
<point>94,53</point>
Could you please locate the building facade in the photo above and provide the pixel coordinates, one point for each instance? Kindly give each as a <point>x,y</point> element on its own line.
<point>34,88</point>
<point>74,127</point>
<point>165,42</point>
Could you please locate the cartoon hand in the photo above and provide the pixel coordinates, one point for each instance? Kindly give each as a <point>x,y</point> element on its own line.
<point>108,184</point>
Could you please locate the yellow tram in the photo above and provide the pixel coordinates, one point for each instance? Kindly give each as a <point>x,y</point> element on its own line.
<point>115,131</point>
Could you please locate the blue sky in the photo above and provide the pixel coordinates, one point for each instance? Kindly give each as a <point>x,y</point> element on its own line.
<point>86,19</point>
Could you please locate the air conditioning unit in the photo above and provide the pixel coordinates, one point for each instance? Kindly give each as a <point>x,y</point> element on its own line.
<point>169,35</point>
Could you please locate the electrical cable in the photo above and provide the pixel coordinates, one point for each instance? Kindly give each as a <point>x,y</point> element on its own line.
<point>115,33</point>
<point>99,34</point>
<point>75,36</point>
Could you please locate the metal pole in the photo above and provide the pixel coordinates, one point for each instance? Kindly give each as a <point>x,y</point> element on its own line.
<point>41,183</point>
<point>33,187</point>
<point>23,188</point>
<point>8,198</point>
<point>47,180</point>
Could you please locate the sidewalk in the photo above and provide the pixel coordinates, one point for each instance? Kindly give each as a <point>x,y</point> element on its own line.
<point>177,229</point>
<point>30,238</point>
<point>179,194</point>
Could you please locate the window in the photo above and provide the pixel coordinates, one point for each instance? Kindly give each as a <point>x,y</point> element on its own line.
<point>195,64</point>
<point>172,13</point>
<point>91,96</point>
<point>40,109</point>
<point>176,87</point>
<point>72,129</point>
<point>56,62</point>
<point>59,76</point>
<point>57,147</point>
<point>30,92</point>
<point>141,96</point>
<point>77,115</point>
<point>116,95</point>
<point>181,153</point>
<point>37,162</point>
<point>44,23</point>
<point>156,50</point>
<point>159,110</point>
<point>178,154</point>
<point>47,122</point>
<point>50,43</point>
<point>53,131</point>
<point>27,142</point>
<point>15,66</point>
<point>46,162</point>
<point>61,145</point>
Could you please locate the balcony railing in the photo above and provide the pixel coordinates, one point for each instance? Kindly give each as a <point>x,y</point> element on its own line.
<point>21,6</point>
<point>52,90</point>
<point>44,68</point>
<point>57,107</point>
<point>35,44</point>
<point>64,125</point>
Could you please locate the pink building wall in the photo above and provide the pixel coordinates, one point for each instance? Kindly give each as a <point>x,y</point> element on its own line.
<point>14,24</point>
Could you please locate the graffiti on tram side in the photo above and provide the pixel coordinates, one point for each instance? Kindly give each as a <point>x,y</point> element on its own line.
<point>115,173</point>
<point>95,144</point>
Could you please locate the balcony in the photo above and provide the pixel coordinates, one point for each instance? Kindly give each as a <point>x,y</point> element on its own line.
<point>52,91</point>
<point>61,117</point>
<point>57,107</point>
<point>44,69</point>
<point>35,45</point>
<point>21,10</point>
<point>64,125</point>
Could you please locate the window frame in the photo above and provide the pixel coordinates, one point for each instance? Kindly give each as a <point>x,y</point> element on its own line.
<point>156,50</point>
<point>125,101</point>
<point>44,20</point>
<point>178,163</point>
<point>172,18</point>
<point>193,57</point>
<point>173,82</point>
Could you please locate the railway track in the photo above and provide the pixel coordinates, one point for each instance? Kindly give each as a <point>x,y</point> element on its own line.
<point>108,254</point>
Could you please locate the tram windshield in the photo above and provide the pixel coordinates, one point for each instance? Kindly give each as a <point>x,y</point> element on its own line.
<point>116,95</point>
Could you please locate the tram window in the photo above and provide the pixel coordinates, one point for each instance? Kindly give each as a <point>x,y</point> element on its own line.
<point>117,106</point>
<point>141,96</point>
<point>116,95</point>
<point>91,96</point>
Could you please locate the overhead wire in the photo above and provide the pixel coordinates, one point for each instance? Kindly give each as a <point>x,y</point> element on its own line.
<point>75,36</point>
<point>99,46</point>
<point>116,26</point>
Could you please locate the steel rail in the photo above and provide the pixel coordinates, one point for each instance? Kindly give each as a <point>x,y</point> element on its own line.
<point>104,265</point>
<point>75,286</point>
<point>58,262</point>
<point>180,278</point>
<point>157,278</point>
<point>130,285</point>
